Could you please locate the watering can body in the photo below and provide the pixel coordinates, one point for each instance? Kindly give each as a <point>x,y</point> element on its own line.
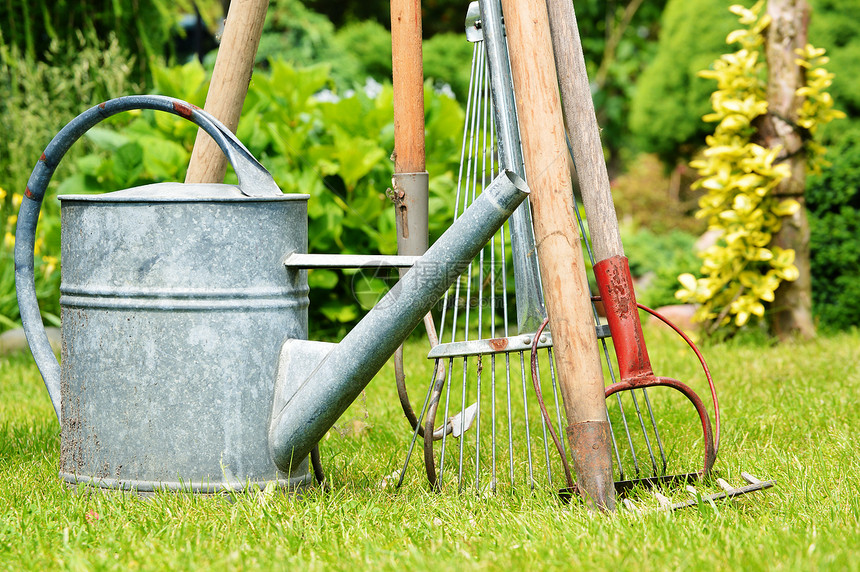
<point>174,304</point>
<point>175,301</point>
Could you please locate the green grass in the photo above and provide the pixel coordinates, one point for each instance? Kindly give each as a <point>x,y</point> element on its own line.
<point>789,413</point>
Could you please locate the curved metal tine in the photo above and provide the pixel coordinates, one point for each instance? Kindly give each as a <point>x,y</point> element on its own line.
<point>608,362</point>
<point>545,441</point>
<point>418,425</point>
<point>555,395</point>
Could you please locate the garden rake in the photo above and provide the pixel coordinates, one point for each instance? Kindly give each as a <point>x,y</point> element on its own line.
<point>500,436</point>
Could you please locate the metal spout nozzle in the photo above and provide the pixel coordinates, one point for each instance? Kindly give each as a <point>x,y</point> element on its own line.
<point>306,406</point>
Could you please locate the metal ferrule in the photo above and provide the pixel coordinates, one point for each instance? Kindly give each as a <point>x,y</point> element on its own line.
<point>410,196</point>
<point>592,462</point>
<point>325,394</point>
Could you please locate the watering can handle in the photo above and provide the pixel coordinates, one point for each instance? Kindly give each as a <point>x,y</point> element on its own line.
<point>254,181</point>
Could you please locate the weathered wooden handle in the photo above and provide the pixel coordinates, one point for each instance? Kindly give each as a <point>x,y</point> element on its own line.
<point>229,86</point>
<point>559,245</point>
<point>583,130</point>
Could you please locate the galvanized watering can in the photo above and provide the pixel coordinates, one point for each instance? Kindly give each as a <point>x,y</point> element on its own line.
<point>185,359</point>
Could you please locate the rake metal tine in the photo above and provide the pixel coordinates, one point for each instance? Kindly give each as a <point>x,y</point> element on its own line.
<point>615,447</point>
<point>656,433</point>
<point>484,155</point>
<point>510,426</point>
<point>644,432</point>
<point>472,88</point>
<point>462,438</point>
<point>528,428</point>
<point>504,274</point>
<point>729,492</point>
<point>493,356</point>
<point>493,414</point>
<point>478,432</point>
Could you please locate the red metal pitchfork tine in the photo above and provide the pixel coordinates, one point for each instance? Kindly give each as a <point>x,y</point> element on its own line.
<point>634,366</point>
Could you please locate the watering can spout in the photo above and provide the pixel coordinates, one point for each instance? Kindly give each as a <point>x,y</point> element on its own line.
<point>316,382</point>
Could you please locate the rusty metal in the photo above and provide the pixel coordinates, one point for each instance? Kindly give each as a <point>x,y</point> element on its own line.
<point>622,313</point>
<point>592,464</point>
<point>547,420</point>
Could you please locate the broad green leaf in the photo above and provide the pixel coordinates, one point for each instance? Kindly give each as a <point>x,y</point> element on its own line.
<point>106,138</point>
<point>322,278</point>
<point>128,163</point>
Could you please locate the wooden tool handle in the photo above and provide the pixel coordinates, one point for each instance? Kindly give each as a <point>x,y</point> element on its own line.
<point>229,86</point>
<point>559,247</point>
<point>583,131</point>
<point>558,240</point>
<point>408,78</point>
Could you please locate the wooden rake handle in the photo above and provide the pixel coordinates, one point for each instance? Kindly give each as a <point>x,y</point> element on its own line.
<point>559,247</point>
<point>229,86</point>
<point>583,130</point>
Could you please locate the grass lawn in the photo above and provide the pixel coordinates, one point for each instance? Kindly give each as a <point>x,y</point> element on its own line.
<point>790,413</point>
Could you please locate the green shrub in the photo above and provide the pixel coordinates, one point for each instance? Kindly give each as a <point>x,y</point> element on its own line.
<point>357,50</point>
<point>369,44</point>
<point>645,196</point>
<point>833,202</point>
<point>670,98</point>
<point>447,59</point>
<point>295,34</point>
<point>835,25</point>
<point>142,28</point>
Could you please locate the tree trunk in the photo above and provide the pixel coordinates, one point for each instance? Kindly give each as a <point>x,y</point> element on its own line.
<point>791,311</point>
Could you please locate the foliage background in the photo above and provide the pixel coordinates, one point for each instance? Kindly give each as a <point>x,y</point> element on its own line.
<point>642,58</point>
